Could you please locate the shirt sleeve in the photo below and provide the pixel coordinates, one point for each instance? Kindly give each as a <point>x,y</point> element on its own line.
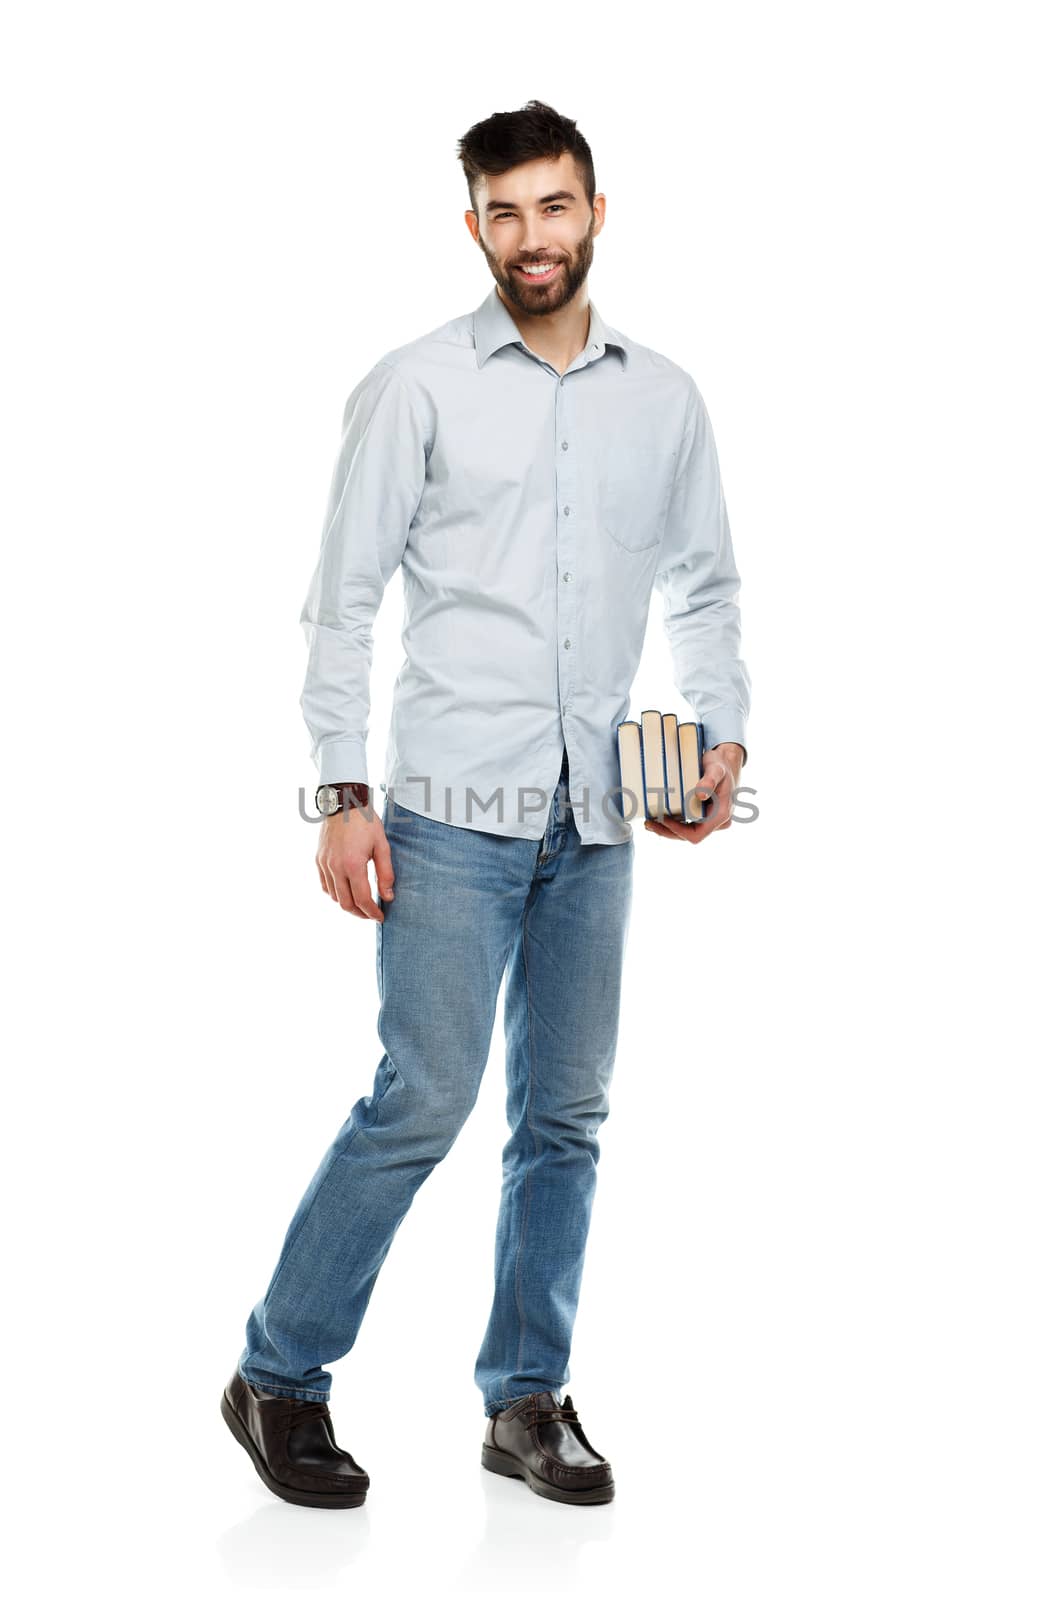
<point>375,491</point>
<point>699,582</point>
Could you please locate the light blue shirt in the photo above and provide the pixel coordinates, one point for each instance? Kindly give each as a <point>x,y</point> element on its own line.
<point>531,513</point>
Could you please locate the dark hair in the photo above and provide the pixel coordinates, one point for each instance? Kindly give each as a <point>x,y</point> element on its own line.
<point>535,133</point>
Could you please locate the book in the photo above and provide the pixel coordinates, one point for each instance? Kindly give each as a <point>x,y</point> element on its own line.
<point>672,761</point>
<point>660,767</point>
<point>691,746</point>
<point>653,755</point>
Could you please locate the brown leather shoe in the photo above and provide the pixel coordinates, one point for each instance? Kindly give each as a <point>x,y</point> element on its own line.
<point>292,1445</point>
<point>543,1442</point>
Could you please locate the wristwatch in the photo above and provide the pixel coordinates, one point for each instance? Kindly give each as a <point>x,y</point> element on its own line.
<point>332,797</point>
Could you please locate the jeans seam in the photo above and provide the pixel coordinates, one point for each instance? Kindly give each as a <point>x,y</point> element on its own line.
<point>294,1394</point>
<point>513,1401</point>
<point>528,1175</point>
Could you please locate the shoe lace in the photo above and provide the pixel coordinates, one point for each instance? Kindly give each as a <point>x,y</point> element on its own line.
<point>561,1413</point>
<point>302,1411</point>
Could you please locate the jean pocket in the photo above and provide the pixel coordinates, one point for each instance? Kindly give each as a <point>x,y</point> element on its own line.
<point>397,815</point>
<point>634,494</point>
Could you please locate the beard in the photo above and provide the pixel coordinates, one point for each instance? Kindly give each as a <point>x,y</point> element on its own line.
<point>538,300</point>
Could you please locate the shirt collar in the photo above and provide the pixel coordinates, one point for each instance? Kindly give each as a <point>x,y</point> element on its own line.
<point>494,327</point>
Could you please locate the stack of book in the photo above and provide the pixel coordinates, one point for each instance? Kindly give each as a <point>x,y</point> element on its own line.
<point>660,767</point>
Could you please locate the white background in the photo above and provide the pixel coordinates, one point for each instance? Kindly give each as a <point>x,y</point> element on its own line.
<point>813,1329</point>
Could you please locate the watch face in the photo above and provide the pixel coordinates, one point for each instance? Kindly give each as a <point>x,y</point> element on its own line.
<point>327,800</point>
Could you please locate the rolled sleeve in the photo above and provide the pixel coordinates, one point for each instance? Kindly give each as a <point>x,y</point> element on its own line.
<point>700,584</point>
<point>375,492</point>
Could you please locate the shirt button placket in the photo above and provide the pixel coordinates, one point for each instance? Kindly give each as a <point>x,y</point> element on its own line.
<point>564,475</point>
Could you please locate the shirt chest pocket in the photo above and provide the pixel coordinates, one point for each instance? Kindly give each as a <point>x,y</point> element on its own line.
<point>633,494</point>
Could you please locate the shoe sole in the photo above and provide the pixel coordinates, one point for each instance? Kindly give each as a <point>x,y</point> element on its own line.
<point>296,1497</point>
<point>509,1467</point>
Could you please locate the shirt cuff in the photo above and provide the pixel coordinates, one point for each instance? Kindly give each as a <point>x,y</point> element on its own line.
<point>342,761</point>
<point>721,727</point>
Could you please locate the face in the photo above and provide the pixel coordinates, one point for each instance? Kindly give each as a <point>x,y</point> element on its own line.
<point>537,215</point>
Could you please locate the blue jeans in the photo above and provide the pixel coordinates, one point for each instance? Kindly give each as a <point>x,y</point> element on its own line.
<point>468,907</point>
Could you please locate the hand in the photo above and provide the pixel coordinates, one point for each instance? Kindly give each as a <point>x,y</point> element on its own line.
<point>348,842</point>
<point>721,769</point>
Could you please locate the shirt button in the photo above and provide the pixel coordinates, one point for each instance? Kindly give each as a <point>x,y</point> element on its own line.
<point>593,347</point>
<point>564,444</point>
<point>567,577</point>
<point>568,644</point>
<point>567,510</point>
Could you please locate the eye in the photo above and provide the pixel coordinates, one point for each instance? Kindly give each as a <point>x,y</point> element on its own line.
<point>554,206</point>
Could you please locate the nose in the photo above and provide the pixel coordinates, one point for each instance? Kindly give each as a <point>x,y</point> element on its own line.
<point>533,244</point>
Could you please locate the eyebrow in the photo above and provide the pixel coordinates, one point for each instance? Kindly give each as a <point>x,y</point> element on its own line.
<point>510,205</point>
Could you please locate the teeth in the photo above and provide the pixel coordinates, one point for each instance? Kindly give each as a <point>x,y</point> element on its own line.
<point>536,272</point>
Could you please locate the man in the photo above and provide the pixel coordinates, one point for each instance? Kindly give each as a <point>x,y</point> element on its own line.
<point>534,473</point>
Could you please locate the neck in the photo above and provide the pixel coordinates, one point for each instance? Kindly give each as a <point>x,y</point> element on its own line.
<point>559,335</point>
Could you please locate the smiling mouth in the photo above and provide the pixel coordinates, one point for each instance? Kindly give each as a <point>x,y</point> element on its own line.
<point>546,272</point>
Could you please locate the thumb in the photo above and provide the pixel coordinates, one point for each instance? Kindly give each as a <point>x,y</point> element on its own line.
<point>383,868</point>
<point>719,806</point>
<point>703,794</point>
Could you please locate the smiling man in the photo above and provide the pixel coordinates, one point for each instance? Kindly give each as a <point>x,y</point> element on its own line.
<point>561,232</point>
<point>535,474</point>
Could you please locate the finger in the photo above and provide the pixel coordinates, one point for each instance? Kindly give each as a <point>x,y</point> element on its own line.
<point>323,877</point>
<point>384,874</point>
<point>361,891</point>
<point>719,814</point>
<point>719,811</point>
<point>344,893</point>
<point>696,829</point>
<point>722,812</point>
<point>701,794</point>
<point>669,827</point>
<point>715,773</point>
<point>717,802</point>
